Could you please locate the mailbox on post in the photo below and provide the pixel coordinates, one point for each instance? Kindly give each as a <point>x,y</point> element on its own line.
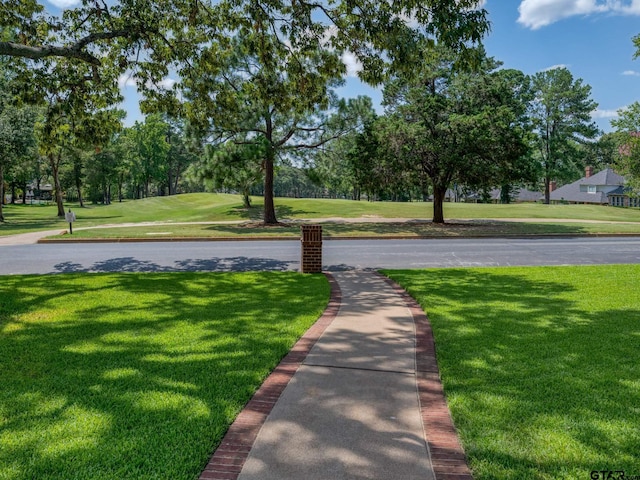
<point>311,261</point>
<point>70,217</point>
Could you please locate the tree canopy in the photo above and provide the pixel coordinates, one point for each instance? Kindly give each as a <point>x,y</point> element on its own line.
<point>455,126</point>
<point>627,127</point>
<point>247,71</point>
<point>561,118</point>
<point>16,131</point>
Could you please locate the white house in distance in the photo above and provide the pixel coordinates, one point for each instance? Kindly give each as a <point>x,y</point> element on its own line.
<point>604,188</point>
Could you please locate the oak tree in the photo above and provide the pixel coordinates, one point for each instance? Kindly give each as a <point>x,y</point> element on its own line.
<point>448,125</point>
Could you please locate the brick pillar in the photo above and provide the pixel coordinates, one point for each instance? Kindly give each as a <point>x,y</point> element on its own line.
<point>311,237</point>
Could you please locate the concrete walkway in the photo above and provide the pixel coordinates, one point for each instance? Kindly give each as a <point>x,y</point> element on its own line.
<point>352,400</point>
<point>27,238</point>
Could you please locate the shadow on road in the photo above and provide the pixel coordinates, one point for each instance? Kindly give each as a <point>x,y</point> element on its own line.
<point>130,264</point>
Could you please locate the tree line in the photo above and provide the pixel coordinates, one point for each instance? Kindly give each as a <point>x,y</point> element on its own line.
<point>254,92</point>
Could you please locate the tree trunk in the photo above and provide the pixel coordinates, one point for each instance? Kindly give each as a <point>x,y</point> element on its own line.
<point>79,187</point>
<point>24,193</point>
<point>1,192</point>
<point>170,182</point>
<point>439,193</point>
<point>13,193</point>
<point>269,207</point>
<point>55,166</point>
<point>505,194</point>
<point>175,182</point>
<point>547,193</point>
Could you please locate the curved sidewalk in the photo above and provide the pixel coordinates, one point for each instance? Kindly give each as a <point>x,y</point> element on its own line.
<point>358,397</point>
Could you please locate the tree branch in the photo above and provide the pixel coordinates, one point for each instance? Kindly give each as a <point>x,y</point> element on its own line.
<point>75,50</point>
<point>36,53</point>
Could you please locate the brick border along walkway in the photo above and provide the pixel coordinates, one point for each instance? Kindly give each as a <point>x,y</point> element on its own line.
<point>446,452</point>
<point>227,461</point>
<point>447,455</point>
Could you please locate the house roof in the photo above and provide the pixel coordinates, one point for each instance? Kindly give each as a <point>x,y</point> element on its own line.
<point>605,177</point>
<point>521,195</point>
<point>622,191</point>
<point>572,193</point>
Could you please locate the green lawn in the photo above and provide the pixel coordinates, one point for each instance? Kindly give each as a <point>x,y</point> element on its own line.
<point>207,207</point>
<point>541,366</point>
<point>116,376</point>
<point>452,229</point>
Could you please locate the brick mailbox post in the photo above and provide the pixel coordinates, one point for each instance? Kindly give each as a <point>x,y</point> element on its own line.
<point>311,261</point>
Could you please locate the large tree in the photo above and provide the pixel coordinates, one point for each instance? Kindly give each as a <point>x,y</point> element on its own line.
<point>173,27</point>
<point>270,95</point>
<point>348,165</point>
<point>180,155</point>
<point>448,125</point>
<point>561,117</point>
<point>267,63</point>
<point>150,152</point>
<point>265,71</point>
<point>627,136</point>
<point>234,166</point>
<point>16,131</point>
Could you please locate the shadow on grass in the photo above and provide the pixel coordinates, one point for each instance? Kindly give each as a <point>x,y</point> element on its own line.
<point>256,213</point>
<point>449,229</point>
<point>142,379</point>
<point>408,228</point>
<point>31,218</point>
<point>13,225</point>
<point>540,385</point>
<point>255,229</point>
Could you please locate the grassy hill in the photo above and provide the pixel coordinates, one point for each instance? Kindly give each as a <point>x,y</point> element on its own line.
<point>208,207</point>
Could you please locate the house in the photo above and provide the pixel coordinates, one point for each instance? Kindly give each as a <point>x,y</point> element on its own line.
<point>44,192</point>
<point>620,197</point>
<point>592,189</point>
<point>519,195</point>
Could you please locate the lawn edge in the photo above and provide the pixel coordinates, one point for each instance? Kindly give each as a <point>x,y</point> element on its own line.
<point>228,459</point>
<point>443,443</point>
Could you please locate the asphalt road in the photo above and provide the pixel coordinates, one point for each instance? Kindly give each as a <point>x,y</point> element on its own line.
<point>337,255</point>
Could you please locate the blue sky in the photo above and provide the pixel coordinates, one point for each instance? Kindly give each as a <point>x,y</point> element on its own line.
<point>592,38</point>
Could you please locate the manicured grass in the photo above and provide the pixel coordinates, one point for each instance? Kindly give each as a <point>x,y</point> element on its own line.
<point>121,376</point>
<point>541,366</point>
<point>336,230</point>
<point>186,208</point>
<point>207,207</point>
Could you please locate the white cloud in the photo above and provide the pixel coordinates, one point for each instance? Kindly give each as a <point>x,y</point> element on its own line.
<point>632,9</point>
<point>604,114</point>
<point>128,80</point>
<point>167,83</point>
<point>631,73</point>
<point>555,67</point>
<point>64,3</point>
<point>535,14</point>
<point>352,63</point>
